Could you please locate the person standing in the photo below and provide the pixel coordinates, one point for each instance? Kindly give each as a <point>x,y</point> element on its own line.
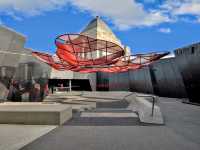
<point>14,92</point>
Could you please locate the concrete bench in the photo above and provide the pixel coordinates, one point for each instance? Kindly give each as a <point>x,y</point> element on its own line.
<point>34,113</point>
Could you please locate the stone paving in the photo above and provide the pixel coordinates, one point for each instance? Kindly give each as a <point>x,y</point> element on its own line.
<point>181,131</point>
<point>111,125</point>
<point>109,108</point>
<point>13,137</point>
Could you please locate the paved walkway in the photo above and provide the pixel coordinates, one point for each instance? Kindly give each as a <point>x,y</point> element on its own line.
<point>13,137</point>
<point>181,132</point>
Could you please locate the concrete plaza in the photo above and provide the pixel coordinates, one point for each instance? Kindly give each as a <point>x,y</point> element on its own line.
<point>110,126</point>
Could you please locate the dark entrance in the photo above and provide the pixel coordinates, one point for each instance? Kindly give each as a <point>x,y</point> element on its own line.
<point>76,85</point>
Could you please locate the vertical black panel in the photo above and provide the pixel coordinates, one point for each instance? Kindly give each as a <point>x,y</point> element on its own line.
<point>140,80</point>
<point>177,81</point>
<point>189,67</point>
<point>154,80</point>
<point>124,81</point>
<point>119,81</point>
<point>102,81</point>
<point>169,81</point>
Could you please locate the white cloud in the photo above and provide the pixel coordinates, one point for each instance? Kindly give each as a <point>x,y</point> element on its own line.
<point>179,8</point>
<point>192,8</point>
<point>198,20</point>
<point>30,7</point>
<point>165,30</point>
<point>124,14</point>
<point>149,1</point>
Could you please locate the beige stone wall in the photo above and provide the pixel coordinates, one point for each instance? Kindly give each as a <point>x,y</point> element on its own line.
<point>13,53</point>
<point>99,30</point>
<point>10,40</point>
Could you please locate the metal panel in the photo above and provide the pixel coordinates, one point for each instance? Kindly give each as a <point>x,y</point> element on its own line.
<point>167,77</point>
<point>169,81</point>
<point>102,81</point>
<point>140,80</point>
<point>190,70</point>
<point>119,81</point>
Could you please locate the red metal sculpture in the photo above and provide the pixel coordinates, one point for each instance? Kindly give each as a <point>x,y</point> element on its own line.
<point>84,54</point>
<point>80,50</point>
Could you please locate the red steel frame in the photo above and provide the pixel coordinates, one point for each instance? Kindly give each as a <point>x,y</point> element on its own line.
<point>72,51</point>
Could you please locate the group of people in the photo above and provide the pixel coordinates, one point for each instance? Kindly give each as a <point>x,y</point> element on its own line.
<point>29,91</point>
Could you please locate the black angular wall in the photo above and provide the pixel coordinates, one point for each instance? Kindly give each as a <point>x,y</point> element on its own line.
<point>140,80</point>
<point>168,80</point>
<point>188,60</point>
<point>171,77</point>
<point>119,81</point>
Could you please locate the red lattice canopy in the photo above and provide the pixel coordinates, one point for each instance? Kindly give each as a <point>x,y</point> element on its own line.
<point>84,54</point>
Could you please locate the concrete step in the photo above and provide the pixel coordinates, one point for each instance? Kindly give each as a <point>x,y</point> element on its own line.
<point>104,119</point>
<point>121,110</point>
<point>116,104</point>
<point>109,114</point>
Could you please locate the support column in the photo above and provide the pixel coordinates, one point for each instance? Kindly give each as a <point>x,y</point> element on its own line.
<point>26,71</point>
<point>3,71</point>
<point>70,85</point>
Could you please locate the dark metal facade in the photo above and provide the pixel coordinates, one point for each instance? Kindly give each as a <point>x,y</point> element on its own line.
<point>161,78</point>
<point>188,59</point>
<point>119,81</point>
<point>171,77</point>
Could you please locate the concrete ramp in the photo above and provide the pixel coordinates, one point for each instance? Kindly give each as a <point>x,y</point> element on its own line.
<point>142,105</point>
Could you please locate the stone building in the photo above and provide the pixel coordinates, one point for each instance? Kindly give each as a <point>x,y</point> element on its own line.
<point>17,62</point>
<point>171,77</point>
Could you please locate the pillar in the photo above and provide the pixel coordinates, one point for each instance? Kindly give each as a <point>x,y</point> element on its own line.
<point>70,85</point>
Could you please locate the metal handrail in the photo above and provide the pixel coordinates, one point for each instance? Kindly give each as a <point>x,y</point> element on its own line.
<point>153,102</point>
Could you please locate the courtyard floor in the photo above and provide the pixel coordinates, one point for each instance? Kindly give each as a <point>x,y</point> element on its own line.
<point>107,124</point>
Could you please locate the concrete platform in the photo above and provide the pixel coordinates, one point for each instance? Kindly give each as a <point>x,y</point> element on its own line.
<point>76,104</point>
<point>34,113</point>
<point>181,131</point>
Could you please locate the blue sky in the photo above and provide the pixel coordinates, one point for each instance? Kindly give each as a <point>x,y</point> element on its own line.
<point>143,25</point>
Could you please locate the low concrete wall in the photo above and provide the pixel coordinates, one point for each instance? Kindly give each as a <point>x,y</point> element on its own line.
<point>34,113</point>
